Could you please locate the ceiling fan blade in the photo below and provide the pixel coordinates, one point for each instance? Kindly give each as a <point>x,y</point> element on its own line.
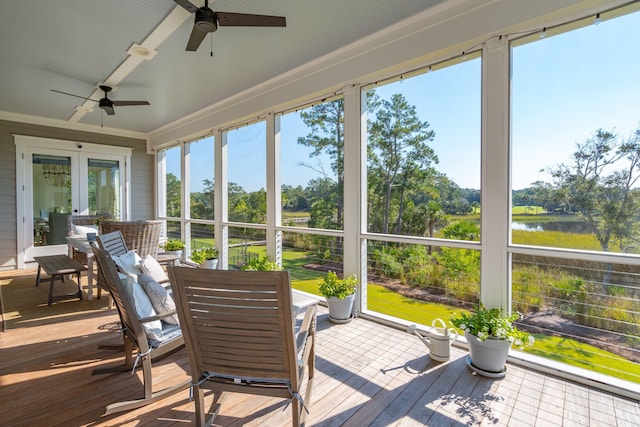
<point>125,103</point>
<point>231,19</point>
<point>187,5</point>
<point>195,39</point>
<point>70,94</point>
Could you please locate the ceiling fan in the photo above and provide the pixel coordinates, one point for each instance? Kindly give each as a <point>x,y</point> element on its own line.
<point>207,21</point>
<point>105,103</point>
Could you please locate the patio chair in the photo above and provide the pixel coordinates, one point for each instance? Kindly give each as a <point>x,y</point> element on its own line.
<point>57,228</point>
<point>114,244</point>
<point>140,236</point>
<point>239,332</point>
<point>149,347</point>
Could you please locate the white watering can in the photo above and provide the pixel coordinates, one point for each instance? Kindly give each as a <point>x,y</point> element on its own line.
<point>439,341</point>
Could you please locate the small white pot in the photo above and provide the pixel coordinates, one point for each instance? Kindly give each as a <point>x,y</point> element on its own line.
<point>211,264</point>
<point>340,309</point>
<point>489,355</point>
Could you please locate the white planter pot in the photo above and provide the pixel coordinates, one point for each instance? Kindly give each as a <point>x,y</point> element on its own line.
<point>209,263</point>
<point>488,356</point>
<point>340,309</point>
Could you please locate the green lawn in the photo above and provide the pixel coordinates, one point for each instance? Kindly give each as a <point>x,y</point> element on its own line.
<point>585,356</point>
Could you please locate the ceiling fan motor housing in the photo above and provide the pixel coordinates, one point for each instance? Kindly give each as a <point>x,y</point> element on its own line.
<point>105,103</point>
<point>206,20</point>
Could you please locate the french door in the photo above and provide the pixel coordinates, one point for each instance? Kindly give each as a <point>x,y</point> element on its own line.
<point>62,178</point>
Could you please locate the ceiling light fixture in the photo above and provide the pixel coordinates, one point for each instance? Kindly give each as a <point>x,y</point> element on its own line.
<point>141,51</point>
<point>84,109</point>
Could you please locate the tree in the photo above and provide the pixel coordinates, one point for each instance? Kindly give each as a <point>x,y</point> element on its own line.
<point>202,202</point>
<point>294,198</point>
<point>399,153</point>
<point>173,196</point>
<point>326,121</point>
<point>598,187</point>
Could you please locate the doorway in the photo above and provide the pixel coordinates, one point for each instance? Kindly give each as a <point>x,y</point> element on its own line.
<point>57,178</point>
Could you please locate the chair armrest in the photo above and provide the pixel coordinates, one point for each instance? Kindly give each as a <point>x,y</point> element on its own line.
<point>189,263</point>
<point>157,317</point>
<point>306,334</point>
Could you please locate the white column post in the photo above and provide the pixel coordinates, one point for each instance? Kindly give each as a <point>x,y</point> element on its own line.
<point>185,209</point>
<point>355,201</point>
<point>274,205</point>
<point>220,202</point>
<point>495,289</point>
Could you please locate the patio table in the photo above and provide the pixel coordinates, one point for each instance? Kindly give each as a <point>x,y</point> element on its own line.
<point>301,301</point>
<point>58,266</point>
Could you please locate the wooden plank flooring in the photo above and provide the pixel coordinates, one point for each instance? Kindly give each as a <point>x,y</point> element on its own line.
<point>366,375</point>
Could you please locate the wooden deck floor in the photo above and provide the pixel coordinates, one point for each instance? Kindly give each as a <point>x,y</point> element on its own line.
<point>367,375</point>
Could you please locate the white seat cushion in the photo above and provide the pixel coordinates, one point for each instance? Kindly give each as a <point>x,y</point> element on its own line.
<point>82,230</point>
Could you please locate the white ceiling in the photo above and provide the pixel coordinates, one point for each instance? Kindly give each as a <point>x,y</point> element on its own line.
<point>73,45</point>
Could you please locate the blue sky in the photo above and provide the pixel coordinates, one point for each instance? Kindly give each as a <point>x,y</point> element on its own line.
<point>564,88</point>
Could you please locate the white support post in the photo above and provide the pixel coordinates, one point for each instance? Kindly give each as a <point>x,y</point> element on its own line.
<point>221,191</point>
<point>274,205</point>
<point>185,206</point>
<point>161,188</point>
<point>495,289</point>
<point>355,160</point>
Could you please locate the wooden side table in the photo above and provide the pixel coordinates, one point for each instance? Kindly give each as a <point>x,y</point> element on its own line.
<point>58,266</point>
<point>168,258</point>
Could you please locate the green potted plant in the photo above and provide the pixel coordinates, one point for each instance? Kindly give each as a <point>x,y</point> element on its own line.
<point>173,245</point>
<point>340,295</point>
<point>490,334</point>
<point>206,257</point>
<point>261,264</point>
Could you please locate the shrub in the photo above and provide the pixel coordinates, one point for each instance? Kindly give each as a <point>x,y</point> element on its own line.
<point>261,264</point>
<point>332,286</point>
<point>492,323</point>
<point>173,245</point>
<point>202,254</point>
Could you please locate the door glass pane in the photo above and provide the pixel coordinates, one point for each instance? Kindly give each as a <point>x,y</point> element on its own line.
<point>104,187</point>
<point>51,198</point>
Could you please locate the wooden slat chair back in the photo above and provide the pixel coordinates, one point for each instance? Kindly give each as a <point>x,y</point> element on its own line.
<point>135,338</point>
<point>140,236</point>
<point>113,243</point>
<point>239,332</point>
